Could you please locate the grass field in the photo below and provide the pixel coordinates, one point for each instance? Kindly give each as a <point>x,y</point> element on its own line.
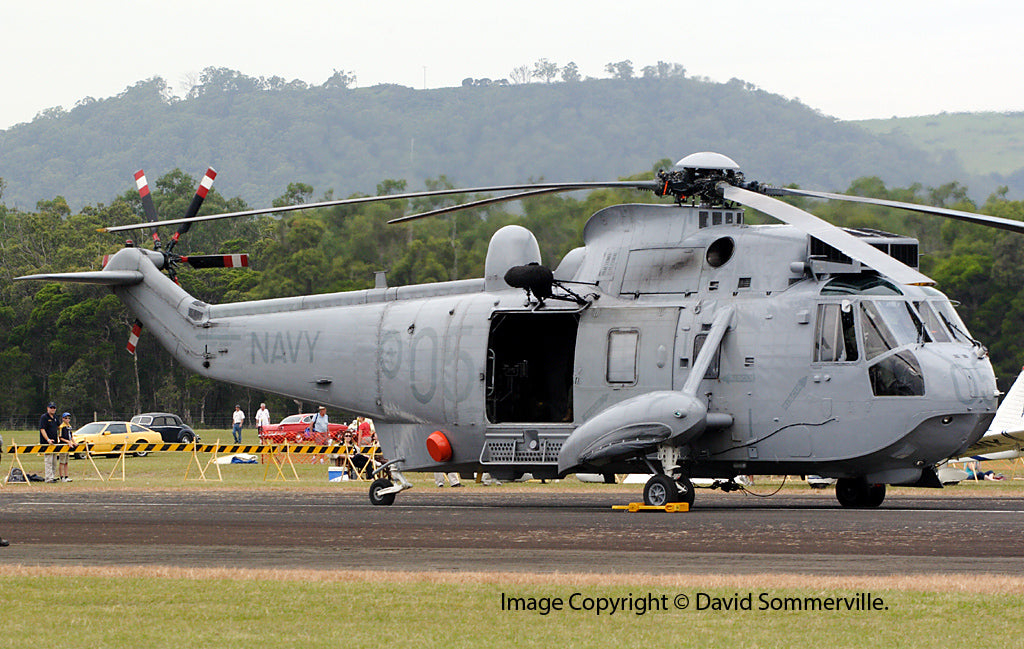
<point>118,606</point>
<point>216,608</point>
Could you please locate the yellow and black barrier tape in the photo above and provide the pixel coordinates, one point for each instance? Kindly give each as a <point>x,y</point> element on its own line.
<point>230,449</point>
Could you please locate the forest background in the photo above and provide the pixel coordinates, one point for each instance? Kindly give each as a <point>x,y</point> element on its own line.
<point>288,143</point>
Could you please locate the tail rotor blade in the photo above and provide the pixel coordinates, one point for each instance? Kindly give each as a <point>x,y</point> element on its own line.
<point>197,202</point>
<point>217,261</point>
<point>142,184</point>
<point>133,337</point>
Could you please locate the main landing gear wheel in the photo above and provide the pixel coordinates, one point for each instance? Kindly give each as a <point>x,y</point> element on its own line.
<point>855,492</point>
<point>376,487</point>
<point>661,490</point>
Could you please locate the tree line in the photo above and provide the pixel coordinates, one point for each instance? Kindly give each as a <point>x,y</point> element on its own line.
<point>66,343</point>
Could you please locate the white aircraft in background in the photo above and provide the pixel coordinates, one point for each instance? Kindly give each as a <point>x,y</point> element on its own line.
<point>1004,438</point>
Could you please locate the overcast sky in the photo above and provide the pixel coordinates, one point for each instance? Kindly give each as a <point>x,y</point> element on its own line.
<point>852,60</point>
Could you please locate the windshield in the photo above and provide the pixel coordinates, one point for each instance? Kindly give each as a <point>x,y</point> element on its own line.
<point>936,329</point>
<point>292,419</point>
<point>952,320</point>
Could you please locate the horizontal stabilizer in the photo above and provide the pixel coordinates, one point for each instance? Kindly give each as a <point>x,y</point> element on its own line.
<point>102,277</point>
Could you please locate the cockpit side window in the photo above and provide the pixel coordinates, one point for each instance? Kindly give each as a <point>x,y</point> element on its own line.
<point>878,339</point>
<point>835,340</point>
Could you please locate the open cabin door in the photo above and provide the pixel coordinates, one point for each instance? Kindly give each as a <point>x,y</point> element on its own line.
<point>530,358</point>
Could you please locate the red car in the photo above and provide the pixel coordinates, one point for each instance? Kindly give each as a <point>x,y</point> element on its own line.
<point>292,430</point>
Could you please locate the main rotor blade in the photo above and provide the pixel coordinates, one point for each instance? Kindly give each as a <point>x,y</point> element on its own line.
<point>479,203</point>
<point>193,208</point>
<point>969,217</point>
<point>217,261</point>
<point>630,184</point>
<point>824,231</point>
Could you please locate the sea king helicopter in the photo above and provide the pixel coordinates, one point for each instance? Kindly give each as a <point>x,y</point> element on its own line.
<point>679,341</point>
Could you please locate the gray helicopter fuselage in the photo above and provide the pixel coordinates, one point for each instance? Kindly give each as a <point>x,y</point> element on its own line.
<point>824,367</point>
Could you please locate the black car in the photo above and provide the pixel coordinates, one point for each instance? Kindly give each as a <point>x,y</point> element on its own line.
<point>171,428</point>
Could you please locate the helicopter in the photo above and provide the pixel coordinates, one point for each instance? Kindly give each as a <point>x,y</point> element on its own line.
<point>679,341</point>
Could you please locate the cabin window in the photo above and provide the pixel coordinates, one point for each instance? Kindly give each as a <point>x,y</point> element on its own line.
<point>713,369</point>
<point>622,351</point>
<point>835,340</point>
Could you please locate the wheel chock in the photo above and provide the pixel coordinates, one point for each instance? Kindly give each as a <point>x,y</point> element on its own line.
<point>667,507</point>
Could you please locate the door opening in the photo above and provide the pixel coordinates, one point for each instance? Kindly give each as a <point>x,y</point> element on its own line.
<point>530,359</point>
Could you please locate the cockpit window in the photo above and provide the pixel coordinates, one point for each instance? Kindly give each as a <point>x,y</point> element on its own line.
<point>889,324</point>
<point>932,323</point>
<point>951,320</point>
<point>859,285</point>
<point>836,339</point>
<point>877,337</point>
<point>898,375</point>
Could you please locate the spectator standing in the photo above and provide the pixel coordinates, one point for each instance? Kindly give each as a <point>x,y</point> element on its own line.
<point>64,437</point>
<point>237,419</point>
<point>49,432</point>
<point>262,419</point>
<point>319,425</point>
<point>366,435</point>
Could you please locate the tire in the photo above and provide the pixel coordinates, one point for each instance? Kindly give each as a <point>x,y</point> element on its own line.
<point>855,492</point>
<point>875,495</point>
<point>850,492</point>
<point>661,490</point>
<point>141,454</point>
<point>375,496</point>
<point>687,494</point>
<point>186,438</point>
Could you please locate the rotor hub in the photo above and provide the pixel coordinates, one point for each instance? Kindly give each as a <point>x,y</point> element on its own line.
<point>699,175</point>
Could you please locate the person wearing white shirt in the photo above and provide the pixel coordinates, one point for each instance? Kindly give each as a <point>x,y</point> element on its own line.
<point>262,419</point>
<point>237,419</point>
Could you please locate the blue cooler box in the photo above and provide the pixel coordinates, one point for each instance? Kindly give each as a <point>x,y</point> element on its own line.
<point>334,473</point>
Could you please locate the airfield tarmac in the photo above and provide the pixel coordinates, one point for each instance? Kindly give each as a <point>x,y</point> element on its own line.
<point>498,530</point>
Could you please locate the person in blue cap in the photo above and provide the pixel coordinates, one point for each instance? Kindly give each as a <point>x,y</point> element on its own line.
<point>64,437</point>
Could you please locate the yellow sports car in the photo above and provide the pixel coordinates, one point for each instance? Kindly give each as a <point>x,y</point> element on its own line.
<point>103,435</point>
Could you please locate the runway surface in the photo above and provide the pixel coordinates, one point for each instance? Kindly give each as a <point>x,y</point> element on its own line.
<point>500,530</point>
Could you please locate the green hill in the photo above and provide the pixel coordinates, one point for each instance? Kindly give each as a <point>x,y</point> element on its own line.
<point>984,143</point>
<point>263,134</point>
